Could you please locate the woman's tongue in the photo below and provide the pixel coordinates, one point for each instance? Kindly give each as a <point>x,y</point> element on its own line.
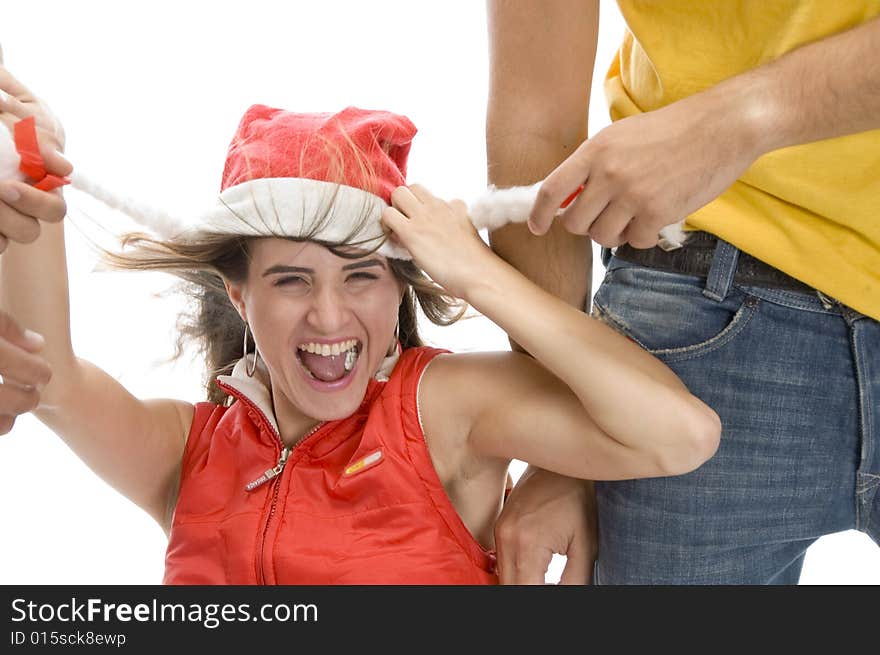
<point>326,369</point>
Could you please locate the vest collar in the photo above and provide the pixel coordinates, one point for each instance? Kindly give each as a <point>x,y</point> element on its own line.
<point>256,388</point>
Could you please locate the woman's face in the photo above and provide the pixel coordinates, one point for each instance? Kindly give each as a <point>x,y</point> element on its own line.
<point>322,323</point>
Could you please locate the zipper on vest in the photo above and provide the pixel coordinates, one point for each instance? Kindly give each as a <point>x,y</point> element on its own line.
<point>275,472</point>
<point>270,473</point>
<point>282,460</point>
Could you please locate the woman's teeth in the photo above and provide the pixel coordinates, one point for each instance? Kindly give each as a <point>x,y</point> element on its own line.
<point>327,349</point>
<point>347,348</point>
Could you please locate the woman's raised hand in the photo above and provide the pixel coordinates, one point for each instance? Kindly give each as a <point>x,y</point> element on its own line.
<point>440,237</point>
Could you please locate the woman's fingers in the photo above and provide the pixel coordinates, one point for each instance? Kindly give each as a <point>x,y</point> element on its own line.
<point>405,201</point>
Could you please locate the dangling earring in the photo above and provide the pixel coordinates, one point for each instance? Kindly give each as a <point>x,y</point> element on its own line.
<point>391,357</point>
<point>247,369</point>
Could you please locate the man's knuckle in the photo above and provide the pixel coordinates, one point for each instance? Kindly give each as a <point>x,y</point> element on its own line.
<point>573,221</point>
<point>546,192</point>
<point>506,531</point>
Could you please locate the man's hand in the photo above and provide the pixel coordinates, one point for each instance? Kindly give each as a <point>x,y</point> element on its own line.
<point>651,170</point>
<point>22,206</point>
<point>648,171</point>
<point>24,372</point>
<point>545,514</point>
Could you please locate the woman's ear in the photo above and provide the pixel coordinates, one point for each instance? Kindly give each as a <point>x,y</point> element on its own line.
<point>235,291</point>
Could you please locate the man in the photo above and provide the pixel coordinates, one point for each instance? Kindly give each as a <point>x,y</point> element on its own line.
<point>758,124</point>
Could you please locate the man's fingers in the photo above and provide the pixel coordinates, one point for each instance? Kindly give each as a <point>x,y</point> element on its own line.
<point>609,226</point>
<point>558,186</point>
<point>524,567</point>
<point>578,568</point>
<point>580,215</point>
<point>641,234</point>
<point>521,558</point>
<point>29,202</point>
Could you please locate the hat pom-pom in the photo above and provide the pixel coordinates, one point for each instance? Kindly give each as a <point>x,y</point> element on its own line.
<point>498,207</point>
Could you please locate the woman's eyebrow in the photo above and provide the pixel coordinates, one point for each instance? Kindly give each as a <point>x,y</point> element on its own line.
<point>363,264</point>
<point>281,268</point>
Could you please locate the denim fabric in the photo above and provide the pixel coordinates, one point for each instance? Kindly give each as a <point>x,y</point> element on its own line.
<point>795,378</point>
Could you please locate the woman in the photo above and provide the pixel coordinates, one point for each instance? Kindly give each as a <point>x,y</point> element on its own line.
<point>340,450</point>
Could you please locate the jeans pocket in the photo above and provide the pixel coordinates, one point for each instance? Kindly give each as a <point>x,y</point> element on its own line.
<point>667,313</point>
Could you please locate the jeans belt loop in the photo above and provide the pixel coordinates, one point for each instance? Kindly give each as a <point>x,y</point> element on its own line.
<point>722,271</point>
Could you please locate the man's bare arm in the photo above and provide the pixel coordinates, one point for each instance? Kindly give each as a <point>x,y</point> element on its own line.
<point>541,58</point>
<point>541,67</point>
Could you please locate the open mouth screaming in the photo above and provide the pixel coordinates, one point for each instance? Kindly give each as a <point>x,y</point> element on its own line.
<point>329,362</point>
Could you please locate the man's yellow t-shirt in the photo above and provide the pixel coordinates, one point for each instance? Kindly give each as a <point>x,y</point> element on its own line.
<point>811,210</point>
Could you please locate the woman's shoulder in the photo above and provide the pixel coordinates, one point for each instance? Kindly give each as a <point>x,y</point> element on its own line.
<point>468,378</point>
<point>412,362</point>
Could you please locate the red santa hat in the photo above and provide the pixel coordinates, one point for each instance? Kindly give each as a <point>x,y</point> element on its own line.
<point>326,176</point>
<point>321,176</point>
<point>287,173</point>
<point>318,175</point>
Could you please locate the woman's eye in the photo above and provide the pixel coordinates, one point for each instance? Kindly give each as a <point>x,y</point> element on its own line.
<point>361,277</point>
<point>290,281</point>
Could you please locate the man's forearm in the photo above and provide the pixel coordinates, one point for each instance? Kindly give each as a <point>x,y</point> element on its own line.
<point>542,57</point>
<point>823,90</point>
<point>559,262</point>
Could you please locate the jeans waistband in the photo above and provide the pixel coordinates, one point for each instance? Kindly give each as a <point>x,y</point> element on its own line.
<point>705,255</point>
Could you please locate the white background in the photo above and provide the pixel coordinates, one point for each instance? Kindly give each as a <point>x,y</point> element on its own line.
<point>150,94</point>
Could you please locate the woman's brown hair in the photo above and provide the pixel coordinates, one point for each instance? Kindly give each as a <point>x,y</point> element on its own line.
<point>203,260</point>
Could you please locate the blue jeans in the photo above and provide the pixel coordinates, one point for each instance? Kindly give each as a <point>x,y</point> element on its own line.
<point>795,378</point>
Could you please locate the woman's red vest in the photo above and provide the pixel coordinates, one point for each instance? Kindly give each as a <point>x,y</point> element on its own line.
<point>356,502</point>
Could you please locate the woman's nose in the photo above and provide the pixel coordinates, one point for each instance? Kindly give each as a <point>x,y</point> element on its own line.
<point>328,312</point>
